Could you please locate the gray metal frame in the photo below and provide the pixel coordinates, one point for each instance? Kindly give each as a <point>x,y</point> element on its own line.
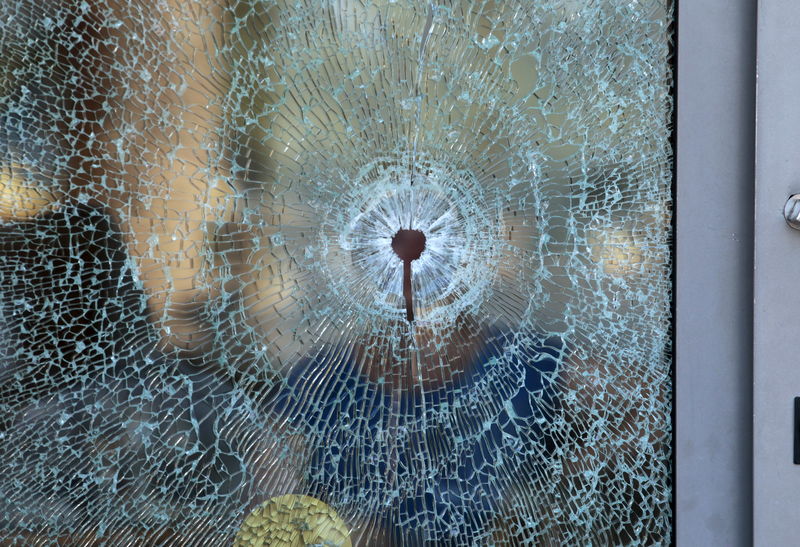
<point>714,269</point>
<point>777,261</point>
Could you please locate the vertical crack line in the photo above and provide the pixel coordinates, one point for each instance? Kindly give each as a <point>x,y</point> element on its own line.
<point>407,292</point>
<point>408,245</point>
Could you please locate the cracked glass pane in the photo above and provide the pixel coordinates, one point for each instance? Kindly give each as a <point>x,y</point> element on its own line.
<point>340,272</point>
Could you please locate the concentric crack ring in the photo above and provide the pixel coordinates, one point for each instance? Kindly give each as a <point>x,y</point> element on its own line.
<point>454,273</point>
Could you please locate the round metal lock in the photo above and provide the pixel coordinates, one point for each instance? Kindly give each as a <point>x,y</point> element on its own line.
<point>791,211</point>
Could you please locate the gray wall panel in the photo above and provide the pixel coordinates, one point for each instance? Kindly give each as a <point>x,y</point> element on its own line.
<point>777,258</point>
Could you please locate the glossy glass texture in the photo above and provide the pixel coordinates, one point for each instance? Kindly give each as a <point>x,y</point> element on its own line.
<point>368,272</point>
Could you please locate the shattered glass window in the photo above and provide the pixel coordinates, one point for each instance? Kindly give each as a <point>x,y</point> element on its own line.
<point>335,272</point>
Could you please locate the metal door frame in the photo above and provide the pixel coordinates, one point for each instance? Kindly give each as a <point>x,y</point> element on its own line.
<point>716,52</point>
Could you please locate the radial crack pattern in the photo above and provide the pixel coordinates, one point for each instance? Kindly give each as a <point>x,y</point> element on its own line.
<point>341,272</point>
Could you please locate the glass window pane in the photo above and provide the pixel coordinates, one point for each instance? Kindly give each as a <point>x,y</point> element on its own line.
<point>341,272</point>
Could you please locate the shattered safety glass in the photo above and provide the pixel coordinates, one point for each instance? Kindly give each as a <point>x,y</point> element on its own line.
<point>335,272</point>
